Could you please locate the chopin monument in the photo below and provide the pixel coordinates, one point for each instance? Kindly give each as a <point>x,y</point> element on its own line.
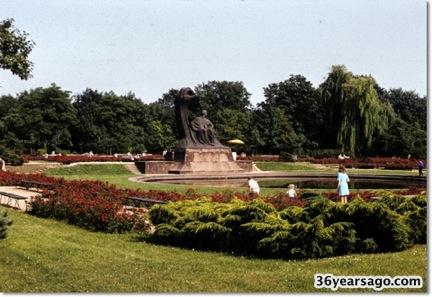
<point>198,151</point>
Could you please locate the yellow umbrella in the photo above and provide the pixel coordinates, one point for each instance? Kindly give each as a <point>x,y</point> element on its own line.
<point>235,141</point>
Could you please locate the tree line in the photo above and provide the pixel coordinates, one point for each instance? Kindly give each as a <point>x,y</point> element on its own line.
<point>346,113</point>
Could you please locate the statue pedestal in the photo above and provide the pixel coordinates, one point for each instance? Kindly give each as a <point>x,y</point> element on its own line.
<point>207,160</point>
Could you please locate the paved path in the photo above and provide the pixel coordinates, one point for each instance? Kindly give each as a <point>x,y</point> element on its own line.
<point>18,191</point>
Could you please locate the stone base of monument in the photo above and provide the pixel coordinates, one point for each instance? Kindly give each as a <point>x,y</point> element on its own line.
<point>155,167</point>
<point>205,161</point>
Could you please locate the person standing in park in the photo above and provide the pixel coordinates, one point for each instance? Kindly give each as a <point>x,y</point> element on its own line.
<point>253,186</point>
<point>420,167</point>
<point>342,187</point>
<point>291,192</point>
<point>2,164</point>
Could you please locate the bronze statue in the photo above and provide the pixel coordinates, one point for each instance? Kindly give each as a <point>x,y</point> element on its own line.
<point>199,132</point>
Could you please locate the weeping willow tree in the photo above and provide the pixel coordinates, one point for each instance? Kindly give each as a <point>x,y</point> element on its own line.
<point>331,93</point>
<point>354,110</point>
<point>361,110</point>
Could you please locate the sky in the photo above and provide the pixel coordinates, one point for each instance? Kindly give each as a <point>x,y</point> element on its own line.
<point>149,47</point>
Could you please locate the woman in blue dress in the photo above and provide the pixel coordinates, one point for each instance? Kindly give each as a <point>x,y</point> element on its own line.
<point>343,180</point>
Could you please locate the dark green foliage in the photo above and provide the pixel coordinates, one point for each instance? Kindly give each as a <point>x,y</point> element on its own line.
<point>13,159</point>
<point>167,234</point>
<point>310,195</point>
<point>327,153</point>
<point>160,215</point>
<point>206,235</point>
<point>322,228</point>
<point>15,47</point>
<point>5,223</point>
<point>417,220</point>
<point>10,157</point>
<point>286,157</point>
<point>414,209</point>
<point>368,245</point>
<point>375,220</point>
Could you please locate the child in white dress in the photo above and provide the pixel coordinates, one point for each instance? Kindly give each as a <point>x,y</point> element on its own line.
<point>291,192</point>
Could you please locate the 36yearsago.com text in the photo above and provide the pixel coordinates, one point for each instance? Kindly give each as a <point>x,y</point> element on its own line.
<point>378,283</point>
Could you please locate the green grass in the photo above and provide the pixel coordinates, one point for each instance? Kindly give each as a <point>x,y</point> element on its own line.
<point>42,255</point>
<point>289,166</point>
<point>118,175</point>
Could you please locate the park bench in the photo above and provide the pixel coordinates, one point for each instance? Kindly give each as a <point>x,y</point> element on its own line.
<point>136,201</point>
<point>27,184</point>
<point>11,196</point>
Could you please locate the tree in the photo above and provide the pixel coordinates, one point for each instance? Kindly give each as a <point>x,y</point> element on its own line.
<point>402,139</point>
<point>108,123</point>
<point>15,48</point>
<point>42,118</point>
<point>409,106</point>
<point>352,107</point>
<point>87,131</point>
<point>7,103</point>
<point>233,124</point>
<point>217,95</point>
<point>159,136</point>
<point>300,102</point>
<point>229,109</point>
<point>164,110</point>
<point>360,121</point>
<point>331,95</point>
<point>275,130</point>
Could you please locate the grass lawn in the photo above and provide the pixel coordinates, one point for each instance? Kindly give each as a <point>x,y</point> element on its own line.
<point>42,255</point>
<point>117,174</point>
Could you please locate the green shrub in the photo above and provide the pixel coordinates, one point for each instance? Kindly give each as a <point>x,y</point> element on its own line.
<point>414,209</point>
<point>327,153</point>
<point>12,159</point>
<point>41,151</point>
<point>322,228</point>
<point>377,221</point>
<point>287,157</point>
<point>5,223</point>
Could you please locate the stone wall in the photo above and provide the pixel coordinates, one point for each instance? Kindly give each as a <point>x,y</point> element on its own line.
<point>155,167</point>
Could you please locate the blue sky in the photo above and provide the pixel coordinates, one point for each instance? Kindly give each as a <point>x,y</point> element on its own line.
<point>149,47</point>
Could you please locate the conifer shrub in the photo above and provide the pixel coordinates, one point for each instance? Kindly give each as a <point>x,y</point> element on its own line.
<point>414,210</point>
<point>190,223</point>
<point>5,223</point>
<point>378,227</point>
<point>321,228</point>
